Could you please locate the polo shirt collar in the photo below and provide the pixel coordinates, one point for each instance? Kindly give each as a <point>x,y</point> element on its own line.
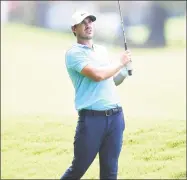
<point>84,46</point>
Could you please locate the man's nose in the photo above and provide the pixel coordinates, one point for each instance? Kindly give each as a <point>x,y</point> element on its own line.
<point>88,26</point>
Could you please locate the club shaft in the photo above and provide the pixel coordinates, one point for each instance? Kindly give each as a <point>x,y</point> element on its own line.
<point>122,25</point>
<point>125,43</point>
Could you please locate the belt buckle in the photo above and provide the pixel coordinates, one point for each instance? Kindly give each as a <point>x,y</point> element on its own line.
<point>115,110</point>
<point>107,113</point>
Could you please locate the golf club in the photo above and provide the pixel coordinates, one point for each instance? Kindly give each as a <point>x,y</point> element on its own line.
<point>125,42</point>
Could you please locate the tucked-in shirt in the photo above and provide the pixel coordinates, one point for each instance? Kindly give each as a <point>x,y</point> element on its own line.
<point>89,94</point>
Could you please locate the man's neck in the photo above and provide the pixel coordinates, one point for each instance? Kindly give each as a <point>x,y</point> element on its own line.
<point>88,43</point>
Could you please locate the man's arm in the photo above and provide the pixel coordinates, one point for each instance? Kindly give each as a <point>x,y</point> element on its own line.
<point>78,61</point>
<point>102,73</point>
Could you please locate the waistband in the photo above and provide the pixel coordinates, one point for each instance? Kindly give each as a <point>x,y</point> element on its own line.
<point>100,113</point>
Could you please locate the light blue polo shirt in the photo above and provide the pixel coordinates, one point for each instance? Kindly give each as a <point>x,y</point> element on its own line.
<point>88,93</point>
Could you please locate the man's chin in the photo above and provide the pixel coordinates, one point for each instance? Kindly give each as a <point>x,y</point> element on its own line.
<point>88,37</point>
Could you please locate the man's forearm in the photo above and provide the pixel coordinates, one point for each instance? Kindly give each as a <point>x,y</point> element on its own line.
<point>119,77</point>
<point>110,70</point>
<point>102,73</point>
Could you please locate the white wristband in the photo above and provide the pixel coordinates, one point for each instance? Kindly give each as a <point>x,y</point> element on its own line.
<point>124,71</point>
<point>129,66</point>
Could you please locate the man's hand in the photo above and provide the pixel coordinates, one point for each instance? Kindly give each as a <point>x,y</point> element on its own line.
<point>125,58</point>
<point>126,61</point>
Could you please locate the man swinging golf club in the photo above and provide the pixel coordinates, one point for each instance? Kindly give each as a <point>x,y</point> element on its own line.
<point>101,121</point>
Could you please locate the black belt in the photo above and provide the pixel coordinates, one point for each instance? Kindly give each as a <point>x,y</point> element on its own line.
<point>100,113</point>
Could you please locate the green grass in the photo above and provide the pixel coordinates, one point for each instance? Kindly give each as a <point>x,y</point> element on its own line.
<point>38,116</point>
<point>41,147</point>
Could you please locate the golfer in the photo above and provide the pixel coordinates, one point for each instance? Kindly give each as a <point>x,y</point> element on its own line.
<point>101,122</point>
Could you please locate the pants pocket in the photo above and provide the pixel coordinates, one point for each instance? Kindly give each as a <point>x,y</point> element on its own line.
<point>80,128</point>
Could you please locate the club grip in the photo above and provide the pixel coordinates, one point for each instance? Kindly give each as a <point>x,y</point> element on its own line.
<point>129,70</point>
<point>125,46</point>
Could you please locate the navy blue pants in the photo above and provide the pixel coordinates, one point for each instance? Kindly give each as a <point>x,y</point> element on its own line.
<point>97,134</point>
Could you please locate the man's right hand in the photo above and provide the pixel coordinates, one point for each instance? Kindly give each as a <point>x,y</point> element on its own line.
<point>125,58</point>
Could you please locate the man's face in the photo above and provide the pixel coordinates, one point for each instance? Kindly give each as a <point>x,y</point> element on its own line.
<point>85,29</point>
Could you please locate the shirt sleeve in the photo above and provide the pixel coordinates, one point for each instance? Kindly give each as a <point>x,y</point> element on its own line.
<point>76,60</point>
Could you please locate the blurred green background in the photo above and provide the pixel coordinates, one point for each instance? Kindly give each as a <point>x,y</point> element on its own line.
<point>38,118</point>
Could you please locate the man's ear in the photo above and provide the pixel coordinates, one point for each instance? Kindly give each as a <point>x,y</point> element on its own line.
<point>73,28</point>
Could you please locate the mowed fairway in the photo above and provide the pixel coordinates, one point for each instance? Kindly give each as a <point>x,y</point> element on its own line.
<point>39,119</point>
